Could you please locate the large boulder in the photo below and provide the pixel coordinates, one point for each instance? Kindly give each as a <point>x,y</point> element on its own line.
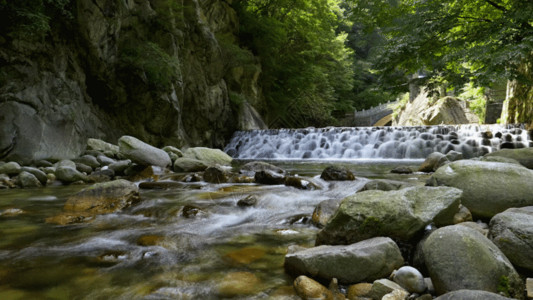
<point>398,214</point>
<point>488,187</point>
<point>209,156</point>
<point>471,295</point>
<point>458,257</point>
<point>142,153</point>
<point>524,156</point>
<point>512,232</point>
<point>367,260</point>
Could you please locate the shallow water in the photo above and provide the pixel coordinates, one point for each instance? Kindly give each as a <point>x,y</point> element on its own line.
<point>152,251</point>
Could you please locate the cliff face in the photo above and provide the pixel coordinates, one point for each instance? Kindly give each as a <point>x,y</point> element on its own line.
<point>155,69</point>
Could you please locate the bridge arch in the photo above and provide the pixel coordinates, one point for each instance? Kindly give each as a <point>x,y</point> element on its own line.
<point>385,121</point>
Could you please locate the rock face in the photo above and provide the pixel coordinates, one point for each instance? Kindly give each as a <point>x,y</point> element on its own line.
<point>458,257</point>
<point>115,68</point>
<point>488,187</point>
<point>512,232</point>
<point>142,153</point>
<point>364,261</point>
<point>398,214</point>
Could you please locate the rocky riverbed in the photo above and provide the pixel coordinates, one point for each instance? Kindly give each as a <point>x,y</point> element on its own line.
<point>453,229</point>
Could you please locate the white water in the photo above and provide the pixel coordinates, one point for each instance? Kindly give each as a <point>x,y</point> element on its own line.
<point>375,142</point>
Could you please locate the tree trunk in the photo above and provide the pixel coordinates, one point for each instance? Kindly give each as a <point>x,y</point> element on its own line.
<point>518,105</point>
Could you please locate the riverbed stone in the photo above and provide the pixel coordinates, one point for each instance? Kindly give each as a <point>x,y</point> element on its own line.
<point>331,173</point>
<point>308,288</point>
<point>10,168</point>
<point>249,169</point>
<point>120,166</point>
<point>236,284</point>
<point>171,149</point>
<point>88,160</point>
<point>529,288</point>
<point>463,215</point>
<point>398,214</point>
<point>324,211</point>
<point>410,279</point>
<point>300,183</point>
<point>104,160</point>
<point>216,174</point>
<point>248,201</point>
<point>382,287</point>
<point>358,290</point>
<point>40,175</point>
<point>458,257</point>
<point>83,168</point>
<point>363,261</point>
<point>208,155</point>
<point>488,187</point>
<point>402,170</point>
<point>142,153</point>
<point>433,162</point>
<point>102,146</point>
<point>185,164</point>
<point>500,159</point>
<point>512,232</point>
<point>67,173</point>
<point>524,155</point>
<point>471,295</point>
<point>27,180</point>
<point>384,185</point>
<point>269,177</point>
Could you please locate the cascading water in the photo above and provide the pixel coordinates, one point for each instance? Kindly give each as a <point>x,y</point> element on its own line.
<point>376,142</point>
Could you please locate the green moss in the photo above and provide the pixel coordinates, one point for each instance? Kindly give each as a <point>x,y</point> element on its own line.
<point>371,224</point>
<point>503,285</point>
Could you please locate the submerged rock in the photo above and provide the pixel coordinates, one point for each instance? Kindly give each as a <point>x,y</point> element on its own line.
<point>269,177</point>
<point>398,214</point>
<point>308,288</point>
<point>142,153</point>
<point>363,261</point>
<point>216,174</point>
<point>337,173</point>
<point>251,168</point>
<point>238,284</point>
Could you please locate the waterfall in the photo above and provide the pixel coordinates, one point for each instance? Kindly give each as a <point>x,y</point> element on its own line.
<point>347,143</point>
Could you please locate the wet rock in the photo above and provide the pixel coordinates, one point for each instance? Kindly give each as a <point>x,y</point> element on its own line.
<point>356,291</point>
<point>324,211</point>
<point>209,156</point>
<point>42,163</point>
<point>160,185</point>
<point>454,155</point>
<point>250,200</point>
<point>269,177</point>
<point>398,214</point>
<point>308,288</point>
<point>364,261</point>
<point>246,255</point>
<point>184,164</point>
<point>27,180</point>
<point>383,185</point>
<point>300,183</point>
<point>173,152</point>
<point>471,295</point>
<point>242,179</point>
<point>142,153</point>
<point>104,160</point>
<point>216,174</point>
<point>524,156</point>
<point>88,160</point>
<point>83,168</point>
<point>336,173</point>
<point>529,288</point>
<point>11,212</point>
<point>396,295</point>
<point>479,226</point>
<point>433,162</point>
<point>382,287</point>
<point>500,159</point>
<point>410,279</point>
<point>102,146</point>
<point>238,284</point>
<point>402,170</point>
<point>463,215</point>
<point>70,218</point>
<point>67,173</point>
<point>488,187</point>
<point>102,175</point>
<point>40,175</point>
<point>512,232</point>
<point>149,240</point>
<point>458,258</point>
<point>10,168</point>
<point>190,211</point>
<point>120,166</point>
<point>251,168</point>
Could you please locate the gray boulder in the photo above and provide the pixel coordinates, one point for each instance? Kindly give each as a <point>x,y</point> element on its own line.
<point>142,153</point>
<point>28,180</point>
<point>184,164</point>
<point>10,168</point>
<point>384,185</point>
<point>433,162</point>
<point>102,146</point>
<point>410,279</point>
<point>324,211</point>
<point>458,257</point>
<point>398,214</point>
<point>40,175</point>
<point>512,232</point>
<point>105,161</point>
<point>120,166</point>
<point>88,160</point>
<point>524,156</point>
<point>66,172</point>
<point>367,260</point>
<point>488,187</point>
<point>471,295</point>
<point>251,168</point>
<point>209,156</point>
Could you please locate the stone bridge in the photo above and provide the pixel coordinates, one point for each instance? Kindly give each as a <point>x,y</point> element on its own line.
<point>380,115</point>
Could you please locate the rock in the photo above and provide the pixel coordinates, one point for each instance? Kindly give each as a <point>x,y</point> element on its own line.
<point>269,177</point>
<point>68,174</point>
<point>40,175</point>
<point>529,288</point>
<point>300,183</point>
<point>433,162</point>
<point>99,145</point>
<point>238,284</point>
<point>454,155</point>
<point>307,288</point>
<point>471,295</point>
<point>396,295</point>
<point>402,170</point>
<point>358,290</point>
<point>160,185</point>
<point>105,161</point>
<point>88,160</point>
<point>170,149</point>
<point>184,164</point>
<point>245,256</point>
<point>500,159</point>
<point>410,279</point>
<point>42,163</point>
<point>28,180</point>
<point>120,166</point>
<point>463,215</point>
<point>479,226</point>
<point>102,175</point>
<point>488,187</point>
<point>142,153</point>
<point>324,211</point>
<point>512,232</point>
<point>70,218</point>
<point>382,287</point>
<point>216,174</point>
<point>337,173</point>
<point>10,168</point>
<point>149,240</point>
<point>83,168</point>
<point>524,156</point>
<point>398,214</point>
<point>209,156</point>
<point>458,257</point>
<point>251,168</point>
<point>11,212</point>
<point>383,185</point>
<point>190,211</point>
<point>364,261</point>
<point>250,200</point>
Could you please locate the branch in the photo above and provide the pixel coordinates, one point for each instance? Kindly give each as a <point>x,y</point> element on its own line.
<point>496,5</point>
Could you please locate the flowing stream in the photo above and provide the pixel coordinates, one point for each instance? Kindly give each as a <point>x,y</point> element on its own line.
<point>186,242</point>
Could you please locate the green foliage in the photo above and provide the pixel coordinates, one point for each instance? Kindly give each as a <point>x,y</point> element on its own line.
<point>475,96</point>
<point>151,63</point>
<point>234,56</point>
<point>402,103</point>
